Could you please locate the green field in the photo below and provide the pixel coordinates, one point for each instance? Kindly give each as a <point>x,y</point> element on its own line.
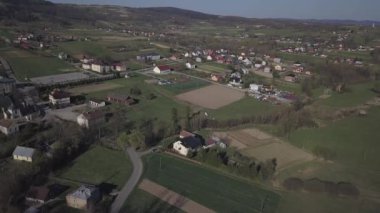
<point>357,94</point>
<point>158,108</point>
<point>141,201</point>
<point>212,67</point>
<point>208,187</point>
<point>27,65</point>
<point>248,106</point>
<point>182,87</point>
<point>99,165</point>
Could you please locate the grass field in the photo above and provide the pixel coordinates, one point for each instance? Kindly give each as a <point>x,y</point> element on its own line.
<point>158,108</point>
<point>358,94</point>
<point>141,201</point>
<point>245,107</point>
<point>100,165</point>
<point>28,65</point>
<point>181,87</point>
<point>212,67</point>
<point>354,139</point>
<point>207,187</point>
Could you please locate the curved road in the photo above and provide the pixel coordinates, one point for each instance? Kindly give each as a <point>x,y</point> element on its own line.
<point>132,182</point>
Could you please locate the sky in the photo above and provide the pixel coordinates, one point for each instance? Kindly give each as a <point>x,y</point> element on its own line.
<point>296,9</point>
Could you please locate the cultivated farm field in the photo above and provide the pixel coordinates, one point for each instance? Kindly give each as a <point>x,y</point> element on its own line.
<point>212,97</point>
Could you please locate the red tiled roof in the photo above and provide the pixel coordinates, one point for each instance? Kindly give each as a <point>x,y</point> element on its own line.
<point>92,115</point>
<point>185,134</point>
<point>59,94</point>
<point>164,67</point>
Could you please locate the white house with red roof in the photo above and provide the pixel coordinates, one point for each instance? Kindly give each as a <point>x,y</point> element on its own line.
<point>163,69</point>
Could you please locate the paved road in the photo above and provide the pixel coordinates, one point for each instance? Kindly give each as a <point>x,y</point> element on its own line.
<point>132,182</point>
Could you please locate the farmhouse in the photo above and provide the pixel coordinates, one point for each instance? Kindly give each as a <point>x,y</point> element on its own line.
<point>188,142</point>
<point>278,68</point>
<point>91,118</point>
<point>22,153</point>
<point>119,67</point>
<point>7,85</point>
<point>162,69</point>
<point>290,78</point>
<point>59,98</point>
<point>83,197</point>
<point>37,194</point>
<point>86,66</point>
<point>96,103</point>
<point>217,77</point>
<point>9,127</point>
<point>121,99</point>
<point>148,57</point>
<point>100,67</point>
<point>190,66</point>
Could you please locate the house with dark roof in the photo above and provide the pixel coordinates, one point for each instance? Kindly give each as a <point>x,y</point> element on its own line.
<point>188,143</point>
<point>22,153</point>
<point>59,98</point>
<point>9,127</point>
<point>148,57</point>
<point>37,194</point>
<point>91,118</point>
<point>7,85</point>
<point>83,197</point>
<point>121,99</point>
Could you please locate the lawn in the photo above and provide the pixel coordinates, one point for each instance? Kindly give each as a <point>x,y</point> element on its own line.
<point>99,165</point>
<point>208,187</point>
<point>27,65</point>
<point>141,201</point>
<point>355,139</point>
<point>357,94</point>
<point>212,67</point>
<point>245,107</point>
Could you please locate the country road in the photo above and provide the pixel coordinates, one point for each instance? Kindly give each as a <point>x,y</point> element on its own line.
<point>132,182</point>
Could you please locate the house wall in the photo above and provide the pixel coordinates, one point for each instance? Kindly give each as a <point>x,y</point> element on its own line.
<point>178,147</point>
<point>86,66</point>
<point>63,101</point>
<point>22,158</point>
<point>94,104</point>
<point>76,202</point>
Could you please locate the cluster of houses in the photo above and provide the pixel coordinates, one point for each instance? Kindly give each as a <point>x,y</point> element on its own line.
<point>102,67</point>
<point>189,142</point>
<point>270,94</point>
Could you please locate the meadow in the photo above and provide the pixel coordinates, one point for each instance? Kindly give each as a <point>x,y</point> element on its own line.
<point>99,165</point>
<point>209,187</point>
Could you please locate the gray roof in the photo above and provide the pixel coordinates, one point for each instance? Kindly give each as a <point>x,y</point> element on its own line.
<point>85,192</point>
<point>24,151</point>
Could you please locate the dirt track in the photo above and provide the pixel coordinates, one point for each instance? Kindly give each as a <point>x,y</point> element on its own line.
<point>173,198</point>
<point>212,97</point>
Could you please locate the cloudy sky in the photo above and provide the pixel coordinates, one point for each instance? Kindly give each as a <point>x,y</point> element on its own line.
<point>299,9</point>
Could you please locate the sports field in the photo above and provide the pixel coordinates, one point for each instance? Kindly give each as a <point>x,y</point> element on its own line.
<point>208,187</point>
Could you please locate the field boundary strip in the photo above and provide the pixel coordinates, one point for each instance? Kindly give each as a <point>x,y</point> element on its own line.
<point>173,198</point>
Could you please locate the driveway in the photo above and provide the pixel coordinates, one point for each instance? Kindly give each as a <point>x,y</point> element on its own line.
<point>132,182</point>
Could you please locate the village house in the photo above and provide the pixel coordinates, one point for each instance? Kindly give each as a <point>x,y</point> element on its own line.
<point>96,103</point>
<point>119,67</point>
<point>290,78</point>
<point>277,60</point>
<point>91,119</point>
<point>100,67</point>
<point>86,66</point>
<point>267,70</point>
<point>83,197</point>
<point>7,85</point>
<point>217,77</point>
<point>37,194</point>
<point>190,66</point>
<point>163,69</point>
<point>22,153</point>
<point>121,99</point>
<point>278,68</point>
<point>9,127</point>
<point>59,98</point>
<point>148,57</point>
<point>188,142</point>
